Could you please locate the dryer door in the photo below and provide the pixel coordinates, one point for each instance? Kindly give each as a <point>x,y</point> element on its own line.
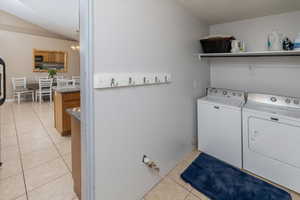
<point>276,139</point>
<point>271,148</point>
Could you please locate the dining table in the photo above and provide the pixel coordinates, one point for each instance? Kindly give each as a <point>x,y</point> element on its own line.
<point>35,85</point>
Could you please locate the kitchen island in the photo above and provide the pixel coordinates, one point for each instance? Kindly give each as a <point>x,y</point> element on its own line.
<point>76,149</point>
<point>65,98</point>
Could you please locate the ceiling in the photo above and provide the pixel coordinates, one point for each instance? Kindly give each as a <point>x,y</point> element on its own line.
<point>62,16</point>
<point>58,16</point>
<point>221,11</point>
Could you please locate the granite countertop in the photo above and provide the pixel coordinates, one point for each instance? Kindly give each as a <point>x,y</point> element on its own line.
<point>75,112</point>
<point>67,90</point>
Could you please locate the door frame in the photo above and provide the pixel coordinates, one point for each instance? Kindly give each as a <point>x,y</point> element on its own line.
<point>87,99</point>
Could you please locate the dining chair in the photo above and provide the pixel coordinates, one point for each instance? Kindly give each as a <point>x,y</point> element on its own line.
<point>76,80</point>
<point>45,89</point>
<point>37,78</point>
<point>20,88</point>
<point>59,77</point>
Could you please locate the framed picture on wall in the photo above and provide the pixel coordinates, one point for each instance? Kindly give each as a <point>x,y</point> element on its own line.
<point>45,60</point>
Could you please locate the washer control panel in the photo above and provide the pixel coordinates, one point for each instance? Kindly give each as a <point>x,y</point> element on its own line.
<point>292,102</point>
<point>226,93</point>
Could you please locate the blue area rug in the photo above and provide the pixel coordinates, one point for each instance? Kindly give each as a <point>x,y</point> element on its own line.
<point>220,181</point>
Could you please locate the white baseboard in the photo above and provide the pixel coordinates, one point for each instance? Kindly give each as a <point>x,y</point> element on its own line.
<point>9,100</point>
<point>12,100</point>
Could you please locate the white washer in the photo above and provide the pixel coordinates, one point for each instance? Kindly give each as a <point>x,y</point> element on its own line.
<point>220,125</point>
<point>271,138</point>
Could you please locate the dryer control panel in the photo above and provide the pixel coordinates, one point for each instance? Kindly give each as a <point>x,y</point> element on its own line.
<point>275,100</point>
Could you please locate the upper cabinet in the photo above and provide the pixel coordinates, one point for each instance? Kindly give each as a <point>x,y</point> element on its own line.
<point>45,60</point>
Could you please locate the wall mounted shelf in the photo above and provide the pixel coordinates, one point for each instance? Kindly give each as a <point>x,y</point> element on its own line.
<point>250,54</point>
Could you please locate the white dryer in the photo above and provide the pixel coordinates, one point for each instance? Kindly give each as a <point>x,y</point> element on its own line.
<point>271,138</point>
<point>220,125</point>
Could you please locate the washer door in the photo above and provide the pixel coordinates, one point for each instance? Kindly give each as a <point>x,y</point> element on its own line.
<point>275,138</point>
<point>219,132</point>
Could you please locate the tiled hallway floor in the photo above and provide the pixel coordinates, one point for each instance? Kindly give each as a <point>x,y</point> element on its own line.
<point>172,187</point>
<point>36,159</point>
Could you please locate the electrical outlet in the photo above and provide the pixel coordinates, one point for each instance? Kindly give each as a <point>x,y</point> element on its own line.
<point>145,160</point>
<point>150,163</point>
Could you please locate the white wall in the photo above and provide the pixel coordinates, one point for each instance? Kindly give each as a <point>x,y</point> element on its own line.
<point>159,121</point>
<point>17,52</point>
<point>268,75</point>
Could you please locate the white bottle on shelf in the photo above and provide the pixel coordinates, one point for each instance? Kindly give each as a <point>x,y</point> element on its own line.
<point>274,41</point>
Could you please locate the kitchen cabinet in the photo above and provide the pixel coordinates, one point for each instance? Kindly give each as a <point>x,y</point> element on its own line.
<point>44,60</point>
<point>76,149</point>
<point>64,99</point>
<point>76,155</point>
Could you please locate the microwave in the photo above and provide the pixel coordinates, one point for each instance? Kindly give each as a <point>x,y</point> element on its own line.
<point>2,82</point>
<point>39,59</point>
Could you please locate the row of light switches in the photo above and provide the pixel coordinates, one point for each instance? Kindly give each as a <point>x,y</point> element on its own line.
<point>111,80</point>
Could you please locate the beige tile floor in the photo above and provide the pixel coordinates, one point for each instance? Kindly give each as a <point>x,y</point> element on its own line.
<point>172,187</point>
<point>36,159</point>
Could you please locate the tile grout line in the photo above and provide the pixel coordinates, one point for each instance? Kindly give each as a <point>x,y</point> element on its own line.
<point>166,176</point>
<point>187,196</point>
<point>3,148</point>
<point>55,146</point>
<point>57,158</point>
<point>38,187</point>
<point>191,194</point>
<point>162,178</point>
<point>19,148</point>
<point>67,172</point>
<point>155,185</point>
<point>152,188</point>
